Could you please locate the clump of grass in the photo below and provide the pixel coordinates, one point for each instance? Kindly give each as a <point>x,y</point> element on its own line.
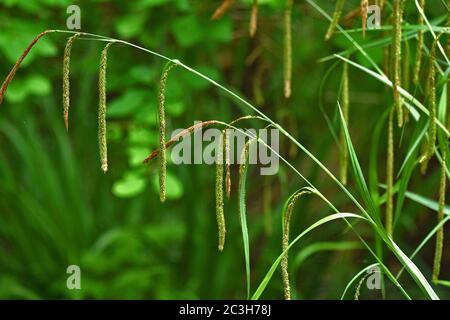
<point>364,7</point>
<point>440,232</point>
<point>396,57</point>
<point>288,49</point>
<point>345,110</point>
<point>16,66</point>
<point>103,148</point>
<point>254,19</point>
<point>222,9</point>
<point>162,130</point>
<point>66,78</point>
<point>390,176</point>
<point>420,36</point>
<point>219,194</point>
<point>287,214</point>
<point>431,102</point>
<point>335,20</point>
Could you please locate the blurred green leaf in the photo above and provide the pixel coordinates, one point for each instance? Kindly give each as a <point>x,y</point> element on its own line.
<point>142,136</point>
<point>187,30</point>
<point>143,74</point>
<point>131,25</point>
<point>136,155</point>
<point>174,187</point>
<point>38,85</point>
<point>129,186</point>
<point>127,104</point>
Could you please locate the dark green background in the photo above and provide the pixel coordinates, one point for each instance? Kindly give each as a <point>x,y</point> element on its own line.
<point>57,208</point>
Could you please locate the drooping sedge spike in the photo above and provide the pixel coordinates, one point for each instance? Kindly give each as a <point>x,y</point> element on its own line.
<point>66,78</point>
<point>103,148</point>
<point>162,130</point>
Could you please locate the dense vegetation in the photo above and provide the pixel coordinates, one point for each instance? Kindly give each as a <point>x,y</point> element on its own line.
<point>364,129</point>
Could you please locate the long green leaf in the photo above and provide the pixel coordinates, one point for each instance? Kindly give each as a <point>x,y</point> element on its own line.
<point>274,266</point>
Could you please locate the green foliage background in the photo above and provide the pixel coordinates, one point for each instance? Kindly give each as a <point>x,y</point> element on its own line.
<point>57,208</point>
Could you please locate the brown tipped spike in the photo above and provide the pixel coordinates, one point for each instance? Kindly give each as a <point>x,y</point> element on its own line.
<point>254,19</point>
<point>177,137</point>
<point>222,9</point>
<point>14,69</point>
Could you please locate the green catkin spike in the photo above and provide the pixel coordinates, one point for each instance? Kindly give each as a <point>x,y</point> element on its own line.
<point>358,287</point>
<point>405,67</point>
<point>390,176</point>
<point>345,111</point>
<point>219,194</point>
<point>285,245</point>
<point>66,78</point>
<point>254,19</point>
<point>162,130</point>
<point>364,12</point>
<point>242,206</point>
<point>420,36</point>
<point>288,49</point>
<point>396,58</point>
<point>406,75</point>
<point>285,242</point>
<point>227,162</point>
<point>440,233</point>
<point>335,20</point>
<point>431,101</point>
<point>103,148</point>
